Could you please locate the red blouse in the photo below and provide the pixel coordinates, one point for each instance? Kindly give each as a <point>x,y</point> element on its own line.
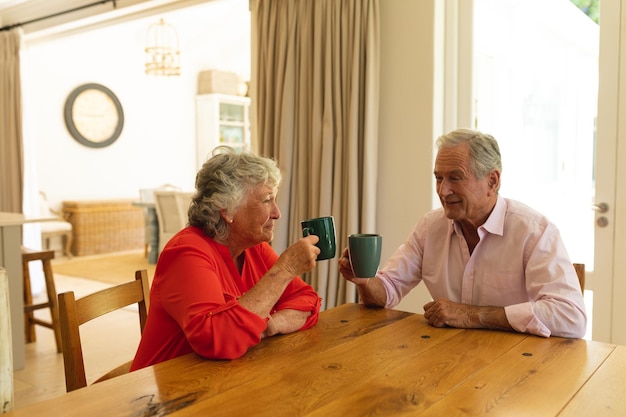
<point>194,303</point>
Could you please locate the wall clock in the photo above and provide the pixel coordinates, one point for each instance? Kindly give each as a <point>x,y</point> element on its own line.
<point>94,115</point>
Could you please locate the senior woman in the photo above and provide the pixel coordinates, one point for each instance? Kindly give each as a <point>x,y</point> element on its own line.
<point>219,287</point>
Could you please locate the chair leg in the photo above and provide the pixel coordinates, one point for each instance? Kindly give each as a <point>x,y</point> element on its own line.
<point>52,300</point>
<point>29,325</point>
<point>30,320</point>
<point>68,245</point>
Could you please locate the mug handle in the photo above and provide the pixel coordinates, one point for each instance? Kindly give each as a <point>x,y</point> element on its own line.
<point>306,231</point>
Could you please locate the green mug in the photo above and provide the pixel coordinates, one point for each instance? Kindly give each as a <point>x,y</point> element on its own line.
<point>365,254</point>
<point>324,228</point>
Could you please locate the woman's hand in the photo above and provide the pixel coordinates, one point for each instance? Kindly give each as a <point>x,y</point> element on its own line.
<point>299,257</point>
<point>295,260</point>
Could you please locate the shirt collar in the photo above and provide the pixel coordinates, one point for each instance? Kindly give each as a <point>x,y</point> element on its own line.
<point>494,223</point>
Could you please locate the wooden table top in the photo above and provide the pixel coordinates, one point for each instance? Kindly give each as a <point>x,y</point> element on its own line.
<point>378,362</point>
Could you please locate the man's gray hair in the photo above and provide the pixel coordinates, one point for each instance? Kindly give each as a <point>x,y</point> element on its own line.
<point>484,149</point>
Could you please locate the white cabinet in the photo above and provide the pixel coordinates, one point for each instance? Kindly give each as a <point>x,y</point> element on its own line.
<point>221,119</point>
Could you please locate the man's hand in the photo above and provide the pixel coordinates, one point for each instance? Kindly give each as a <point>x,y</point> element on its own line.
<point>371,290</point>
<point>442,312</point>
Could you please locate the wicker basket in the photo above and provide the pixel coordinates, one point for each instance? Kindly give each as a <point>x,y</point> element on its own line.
<point>105,226</point>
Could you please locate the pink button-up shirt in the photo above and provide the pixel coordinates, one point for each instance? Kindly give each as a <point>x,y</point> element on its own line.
<point>520,264</point>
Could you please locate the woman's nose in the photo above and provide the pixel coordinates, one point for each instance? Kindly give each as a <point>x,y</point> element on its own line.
<point>275,211</point>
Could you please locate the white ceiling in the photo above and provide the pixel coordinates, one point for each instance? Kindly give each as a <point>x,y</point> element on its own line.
<point>21,11</point>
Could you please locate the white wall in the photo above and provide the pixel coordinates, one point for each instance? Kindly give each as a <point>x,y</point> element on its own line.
<point>157,144</point>
<point>407,124</point>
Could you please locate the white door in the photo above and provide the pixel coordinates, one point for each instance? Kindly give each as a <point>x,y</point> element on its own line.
<point>535,88</point>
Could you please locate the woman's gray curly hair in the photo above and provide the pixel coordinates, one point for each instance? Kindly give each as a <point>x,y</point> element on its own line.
<point>223,182</point>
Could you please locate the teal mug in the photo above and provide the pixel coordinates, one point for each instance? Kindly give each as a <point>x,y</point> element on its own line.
<point>365,254</point>
<point>324,228</point>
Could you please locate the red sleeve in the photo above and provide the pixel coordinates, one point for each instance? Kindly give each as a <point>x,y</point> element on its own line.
<point>301,296</point>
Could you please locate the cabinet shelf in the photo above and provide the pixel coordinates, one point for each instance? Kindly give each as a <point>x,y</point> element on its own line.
<point>221,120</point>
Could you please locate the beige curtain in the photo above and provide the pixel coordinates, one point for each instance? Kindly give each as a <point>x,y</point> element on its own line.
<point>315,95</point>
<point>11,150</point>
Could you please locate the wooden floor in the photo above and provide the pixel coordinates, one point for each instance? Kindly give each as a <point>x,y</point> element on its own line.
<point>107,342</point>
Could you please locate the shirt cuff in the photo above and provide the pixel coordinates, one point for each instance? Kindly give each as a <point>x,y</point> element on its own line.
<point>522,318</point>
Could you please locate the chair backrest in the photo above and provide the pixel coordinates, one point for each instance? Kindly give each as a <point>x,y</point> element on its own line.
<point>146,195</point>
<point>171,207</point>
<point>580,271</point>
<point>168,215</point>
<point>73,313</point>
<point>183,200</point>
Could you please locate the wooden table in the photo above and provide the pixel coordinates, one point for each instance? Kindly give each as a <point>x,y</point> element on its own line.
<point>376,362</point>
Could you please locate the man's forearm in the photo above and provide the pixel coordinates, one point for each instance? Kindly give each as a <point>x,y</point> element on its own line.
<point>489,318</point>
<point>373,292</point>
<point>443,312</point>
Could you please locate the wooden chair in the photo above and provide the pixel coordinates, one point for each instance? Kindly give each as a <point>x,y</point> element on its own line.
<point>73,313</point>
<point>45,256</point>
<point>580,271</point>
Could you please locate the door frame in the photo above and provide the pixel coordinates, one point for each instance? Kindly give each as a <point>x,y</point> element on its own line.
<point>615,280</point>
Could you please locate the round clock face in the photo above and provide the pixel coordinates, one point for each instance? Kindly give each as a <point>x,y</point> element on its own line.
<point>94,115</point>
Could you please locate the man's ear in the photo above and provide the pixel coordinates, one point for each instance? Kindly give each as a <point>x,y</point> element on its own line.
<point>494,180</point>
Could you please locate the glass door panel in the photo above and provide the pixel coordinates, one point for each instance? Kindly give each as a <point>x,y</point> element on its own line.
<point>535,90</point>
